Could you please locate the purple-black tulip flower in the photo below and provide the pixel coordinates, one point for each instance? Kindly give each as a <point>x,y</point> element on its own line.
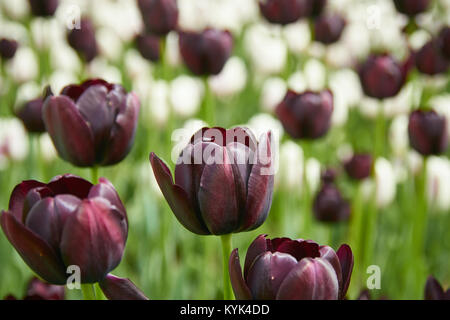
<point>93,123</point>
<point>381,76</point>
<point>206,52</point>
<point>284,11</point>
<point>8,48</point>
<point>306,115</point>
<point>359,166</point>
<point>159,16</point>
<point>434,290</point>
<point>223,181</point>
<point>83,40</point>
<point>40,290</point>
<point>67,222</point>
<point>427,132</point>
<point>31,113</point>
<point>148,46</point>
<point>43,8</point>
<point>328,28</point>
<point>411,7</point>
<point>444,42</point>
<point>430,60</point>
<point>286,269</point>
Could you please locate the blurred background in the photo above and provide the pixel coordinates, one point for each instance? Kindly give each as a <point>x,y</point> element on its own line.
<point>162,258</point>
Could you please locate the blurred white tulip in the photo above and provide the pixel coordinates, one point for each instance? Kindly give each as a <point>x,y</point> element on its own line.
<point>61,78</point>
<point>99,68</point>
<point>315,74</point>
<point>13,141</point>
<point>158,105</point>
<point>48,151</point>
<point>110,45</point>
<point>136,66</point>
<point>186,95</point>
<point>172,54</point>
<point>313,174</point>
<point>398,136</point>
<point>26,92</point>
<point>441,104</point>
<point>272,93</point>
<point>297,82</point>
<point>386,184</point>
<point>438,182</point>
<point>231,80</point>
<point>298,36</point>
<point>24,66</point>
<point>16,9</point>
<point>290,175</point>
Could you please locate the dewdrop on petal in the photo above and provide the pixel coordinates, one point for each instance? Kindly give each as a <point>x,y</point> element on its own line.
<point>186,95</point>
<point>272,93</point>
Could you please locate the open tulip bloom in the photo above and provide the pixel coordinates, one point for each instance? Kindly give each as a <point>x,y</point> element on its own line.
<point>69,222</point>
<point>223,182</point>
<point>286,269</point>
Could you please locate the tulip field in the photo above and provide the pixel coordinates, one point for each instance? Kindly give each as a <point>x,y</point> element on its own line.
<point>224,149</point>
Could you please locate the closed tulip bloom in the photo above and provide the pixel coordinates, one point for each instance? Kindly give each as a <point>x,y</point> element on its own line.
<point>93,123</point>
<point>328,28</point>
<point>430,60</point>
<point>359,166</point>
<point>284,11</point>
<point>411,7</point>
<point>83,40</point>
<point>427,132</point>
<point>8,48</point>
<point>159,16</point>
<point>382,76</point>
<point>67,222</point>
<point>43,8</point>
<point>286,269</point>
<point>306,115</point>
<point>39,290</point>
<point>205,53</point>
<point>434,290</point>
<point>148,46</point>
<point>31,113</point>
<point>223,181</point>
<point>444,42</point>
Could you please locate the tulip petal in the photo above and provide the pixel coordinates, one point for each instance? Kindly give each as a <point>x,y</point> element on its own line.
<point>267,274</point>
<point>116,288</point>
<point>17,199</point>
<point>70,184</point>
<point>299,249</point>
<point>217,194</point>
<point>70,133</point>
<point>123,131</point>
<point>94,239</point>
<point>240,289</point>
<point>257,247</point>
<point>104,189</point>
<point>346,260</point>
<point>330,255</point>
<point>176,197</point>
<point>36,253</point>
<point>311,279</point>
<point>433,289</point>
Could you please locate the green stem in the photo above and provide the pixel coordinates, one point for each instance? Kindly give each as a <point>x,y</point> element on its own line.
<point>368,242</point>
<point>226,251</point>
<point>420,217</point>
<point>94,175</point>
<point>380,128</point>
<point>208,104</point>
<point>98,292</point>
<point>307,213</point>
<point>88,291</point>
<point>355,235</point>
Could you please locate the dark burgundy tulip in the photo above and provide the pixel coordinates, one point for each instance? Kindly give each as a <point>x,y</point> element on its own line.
<point>328,28</point>
<point>284,11</point>
<point>434,291</point>
<point>444,42</point>
<point>67,222</point>
<point>83,40</point>
<point>8,48</point>
<point>427,132</point>
<point>31,113</point>
<point>116,288</point>
<point>159,16</point>
<point>430,60</point>
<point>205,53</point>
<point>93,123</point>
<point>411,7</point>
<point>148,46</point>
<point>317,7</point>
<point>359,166</point>
<point>306,115</point>
<point>329,205</point>
<point>381,76</point>
<point>39,290</point>
<point>223,181</point>
<point>286,269</point>
<point>43,8</point>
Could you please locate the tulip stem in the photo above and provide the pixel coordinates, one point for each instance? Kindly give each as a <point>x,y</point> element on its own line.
<point>420,217</point>
<point>98,292</point>
<point>226,251</point>
<point>208,104</point>
<point>94,175</point>
<point>88,291</point>
<point>355,234</point>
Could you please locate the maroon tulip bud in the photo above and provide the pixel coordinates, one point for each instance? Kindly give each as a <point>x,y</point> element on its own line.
<point>83,40</point>
<point>43,8</point>
<point>359,166</point>
<point>148,46</point>
<point>411,7</point>
<point>8,48</point>
<point>223,181</point>
<point>328,176</point>
<point>430,60</point>
<point>67,222</point>
<point>284,11</point>
<point>382,77</point>
<point>39,290</point>
<point>205,53</point>
<point>427,132</point>
<point>306,115</point>
<point>329,206</point>
<point>317,7</point>
<point>31,113</point>
<point>159,16</point>
<point>434,291</point>
<point>286,269</point>
<point>444,42</point>
<point>93,123</point>
<point>328,28</point>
